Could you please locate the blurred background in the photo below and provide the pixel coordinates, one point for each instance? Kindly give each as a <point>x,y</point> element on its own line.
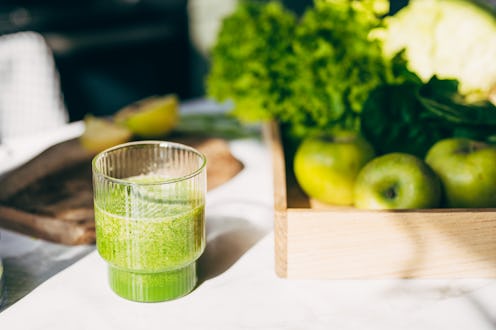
<point>107,53</point>
<point>64,59</point>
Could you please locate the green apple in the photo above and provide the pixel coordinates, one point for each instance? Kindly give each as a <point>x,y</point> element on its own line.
<point>397,181</point>
<point>467,170</point>
<point>326,167</point>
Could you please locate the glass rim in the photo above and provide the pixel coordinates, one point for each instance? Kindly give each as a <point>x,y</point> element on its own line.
<point>97,171</point>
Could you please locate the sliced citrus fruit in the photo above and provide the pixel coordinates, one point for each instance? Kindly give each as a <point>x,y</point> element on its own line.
<point>100,134</point>
<point>152,117</point>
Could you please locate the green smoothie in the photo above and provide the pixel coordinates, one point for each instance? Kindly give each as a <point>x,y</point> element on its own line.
<point>151,238</point>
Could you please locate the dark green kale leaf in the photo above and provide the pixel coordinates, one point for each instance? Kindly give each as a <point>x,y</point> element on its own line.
<point>410,117</point>
<point>442,98</point>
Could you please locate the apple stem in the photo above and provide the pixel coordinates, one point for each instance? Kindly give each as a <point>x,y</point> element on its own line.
<point>390,193</point>
<point>470,147</point>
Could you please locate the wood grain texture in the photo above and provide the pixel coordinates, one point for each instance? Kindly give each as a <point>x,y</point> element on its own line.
<point>51,197</point>
<point>48,227</point>
<point>271,135</point>
<point>326,242</point>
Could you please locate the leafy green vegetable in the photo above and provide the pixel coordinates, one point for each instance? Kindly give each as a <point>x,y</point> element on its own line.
<point>328,71</point>
<point>251,61</point>
<point>442,98</point>
<point>337,65</point>
<point>312,75</point>
<point>393,120</point>
<point>411,117</point>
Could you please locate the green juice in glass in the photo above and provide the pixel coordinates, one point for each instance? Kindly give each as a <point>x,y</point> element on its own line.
<point>151,237</point>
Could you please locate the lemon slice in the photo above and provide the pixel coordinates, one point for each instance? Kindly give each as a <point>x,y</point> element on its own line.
<point>152,117</point>
<point>100,134</point>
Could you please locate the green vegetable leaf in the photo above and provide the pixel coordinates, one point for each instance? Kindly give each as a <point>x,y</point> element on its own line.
<point>250,64</point>
<point>337,65</point>
<point>393,120</point>
<point>410,117</point>
<point>313,74</point>
<point>441,97</point>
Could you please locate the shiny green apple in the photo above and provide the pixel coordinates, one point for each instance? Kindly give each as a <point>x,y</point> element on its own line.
<point>397,181</point>
<point>467,170</point>
<point>326,167</point>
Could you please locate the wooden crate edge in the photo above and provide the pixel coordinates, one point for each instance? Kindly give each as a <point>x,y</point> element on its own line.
<point>273,139</point>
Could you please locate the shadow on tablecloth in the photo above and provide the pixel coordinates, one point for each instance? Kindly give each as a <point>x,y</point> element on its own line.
<point>29,268</point>
<point>229,237</point>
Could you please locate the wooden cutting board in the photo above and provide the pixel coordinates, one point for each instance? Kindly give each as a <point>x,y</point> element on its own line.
<point>51,196</point>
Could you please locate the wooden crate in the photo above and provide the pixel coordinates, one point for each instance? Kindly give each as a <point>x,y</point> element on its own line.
<point>314,241</point>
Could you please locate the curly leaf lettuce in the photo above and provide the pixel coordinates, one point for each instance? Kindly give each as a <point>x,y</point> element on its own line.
<point>251,60</point>
<point>338,64</point>
<point>311,75</point>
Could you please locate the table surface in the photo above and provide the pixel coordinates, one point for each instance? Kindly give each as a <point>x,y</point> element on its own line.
<point>50,286</point>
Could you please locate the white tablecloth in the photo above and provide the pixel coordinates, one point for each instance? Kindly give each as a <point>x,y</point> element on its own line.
<point>238,288</point>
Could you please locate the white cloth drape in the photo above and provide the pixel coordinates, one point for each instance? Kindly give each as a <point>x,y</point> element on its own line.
<point>30,96</point>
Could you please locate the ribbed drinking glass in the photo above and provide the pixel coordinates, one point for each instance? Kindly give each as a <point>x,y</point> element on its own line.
<point>149,200</point>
